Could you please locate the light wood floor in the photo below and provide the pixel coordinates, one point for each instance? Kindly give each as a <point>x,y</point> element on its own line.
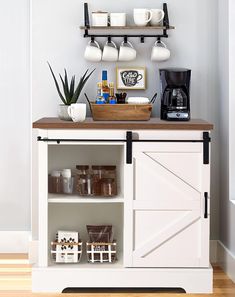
<point>15,280</point>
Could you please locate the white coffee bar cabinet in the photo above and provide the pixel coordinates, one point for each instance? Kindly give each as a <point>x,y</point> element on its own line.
<point>161,215</point>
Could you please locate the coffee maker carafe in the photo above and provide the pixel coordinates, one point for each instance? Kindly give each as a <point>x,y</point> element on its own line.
<point>175,95</point>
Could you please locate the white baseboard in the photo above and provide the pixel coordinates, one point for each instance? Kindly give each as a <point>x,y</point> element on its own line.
<point>226,260</point>
<point>14,242</point>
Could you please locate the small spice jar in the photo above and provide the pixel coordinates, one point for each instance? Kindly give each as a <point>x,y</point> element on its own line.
<point>55,183</point>
<point>108,187</point>
<point>67,181</point>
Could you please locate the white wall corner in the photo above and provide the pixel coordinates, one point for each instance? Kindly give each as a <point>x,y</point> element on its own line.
<point>226,260</point>
<point>14,242</point>
<point>214,251</point>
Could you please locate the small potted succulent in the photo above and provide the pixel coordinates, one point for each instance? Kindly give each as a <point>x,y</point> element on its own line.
<point>70,93</point>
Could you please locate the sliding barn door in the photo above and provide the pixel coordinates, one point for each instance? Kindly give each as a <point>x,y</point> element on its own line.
<point>170,228</point>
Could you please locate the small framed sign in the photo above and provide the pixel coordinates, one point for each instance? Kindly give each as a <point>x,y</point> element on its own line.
<point>131,78</point>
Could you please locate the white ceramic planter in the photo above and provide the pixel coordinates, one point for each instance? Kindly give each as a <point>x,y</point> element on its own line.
<point>63,112</point>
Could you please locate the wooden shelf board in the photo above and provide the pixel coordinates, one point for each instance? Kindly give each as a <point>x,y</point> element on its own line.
<point>53,198</point>
<point>129,28</point>
<point>152,124</point>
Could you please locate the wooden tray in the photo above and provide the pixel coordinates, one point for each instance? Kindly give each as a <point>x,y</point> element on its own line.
<point>121,112</point>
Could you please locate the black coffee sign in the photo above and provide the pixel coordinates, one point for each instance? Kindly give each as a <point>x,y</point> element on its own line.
<point>131,78</point>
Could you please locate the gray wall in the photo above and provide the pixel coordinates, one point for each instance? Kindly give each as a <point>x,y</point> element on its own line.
<point>57,38</point>
<point>15,119</point>
<point>227,95</point>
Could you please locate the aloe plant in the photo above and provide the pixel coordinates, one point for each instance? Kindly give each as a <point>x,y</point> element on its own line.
<point>70,93</point>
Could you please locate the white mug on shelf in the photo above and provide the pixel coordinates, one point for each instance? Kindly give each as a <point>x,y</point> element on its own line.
<point>77,112</point>
<point>160,52</point>
<point>93,52</point>
<point>127,52</point>
<point>110,53</point>
<point>142,16</point>
<point>99,19</point>
<point>117,19</point>
<point>157,17</point>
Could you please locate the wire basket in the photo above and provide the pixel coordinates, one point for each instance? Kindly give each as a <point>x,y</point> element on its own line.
<point>62,252</point>
<point>101,252</point>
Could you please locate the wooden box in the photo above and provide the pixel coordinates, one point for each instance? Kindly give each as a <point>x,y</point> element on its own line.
<point>121,112</point>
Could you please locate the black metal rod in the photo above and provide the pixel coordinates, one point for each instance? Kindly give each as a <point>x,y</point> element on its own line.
<point>121,140</point>
<point>126,36</point>
<point>206,205</point>
<point>129,147</point>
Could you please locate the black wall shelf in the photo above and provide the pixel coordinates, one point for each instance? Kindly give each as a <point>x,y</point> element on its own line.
<point>90,32</point>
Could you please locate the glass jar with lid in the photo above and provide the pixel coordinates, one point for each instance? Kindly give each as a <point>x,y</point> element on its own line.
<point>85,185</point>
<point>97,173</point>
<point>82,170</point>
<point>108,187</point>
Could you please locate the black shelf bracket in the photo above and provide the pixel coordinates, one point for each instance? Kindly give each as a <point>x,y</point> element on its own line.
<point>166,22</point>
<point>142,37</point>
<point>206,148</point>
<point>86,20</point>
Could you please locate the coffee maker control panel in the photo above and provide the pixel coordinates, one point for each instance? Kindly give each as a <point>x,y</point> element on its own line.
<point>178,116</point>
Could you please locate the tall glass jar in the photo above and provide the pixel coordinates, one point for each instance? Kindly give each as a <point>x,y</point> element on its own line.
<point>97,173</point>
<point>81,172</point>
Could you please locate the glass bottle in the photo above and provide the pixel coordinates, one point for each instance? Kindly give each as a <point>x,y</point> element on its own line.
<point>112,98</point>
<point>99,98</point>
<point>105,87</point>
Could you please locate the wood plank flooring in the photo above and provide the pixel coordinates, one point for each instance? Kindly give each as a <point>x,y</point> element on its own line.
<point>15,281</point>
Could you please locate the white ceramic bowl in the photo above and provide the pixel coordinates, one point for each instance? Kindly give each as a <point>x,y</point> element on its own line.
<point>138,100</point>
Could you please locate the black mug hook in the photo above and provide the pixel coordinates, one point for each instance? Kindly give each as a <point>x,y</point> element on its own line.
<point>125,39</point>
<point>109,39</point>
<point>92,39</point>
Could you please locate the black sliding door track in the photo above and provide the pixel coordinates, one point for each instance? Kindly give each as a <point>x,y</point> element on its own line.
<point>129,141</point>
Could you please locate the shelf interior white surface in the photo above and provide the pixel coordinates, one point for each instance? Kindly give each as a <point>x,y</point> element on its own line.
<point>68,156</point>
<point>54,198</point>
<point>75,217</point>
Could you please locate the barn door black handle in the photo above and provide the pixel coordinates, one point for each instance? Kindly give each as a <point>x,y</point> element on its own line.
<point>206,205</point>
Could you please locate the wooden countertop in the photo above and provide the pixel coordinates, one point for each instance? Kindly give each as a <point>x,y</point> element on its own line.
<point>152,124</point>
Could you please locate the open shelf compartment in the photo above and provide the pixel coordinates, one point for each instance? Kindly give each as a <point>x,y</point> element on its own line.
<point>68,156</point>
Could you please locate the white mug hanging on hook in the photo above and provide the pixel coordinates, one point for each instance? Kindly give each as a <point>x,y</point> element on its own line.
<point>93,52</point>
<point>160,52</point>
<point>127,52</point>
<point>110,52</point>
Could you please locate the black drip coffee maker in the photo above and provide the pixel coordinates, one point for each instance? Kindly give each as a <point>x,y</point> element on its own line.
<point>175,100</point>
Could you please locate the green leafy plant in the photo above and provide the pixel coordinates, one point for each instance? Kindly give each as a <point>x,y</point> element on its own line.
<point>70,92</point>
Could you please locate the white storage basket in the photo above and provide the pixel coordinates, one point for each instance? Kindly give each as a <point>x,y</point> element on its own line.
<point>66,252</point>
<point>101,252</point>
